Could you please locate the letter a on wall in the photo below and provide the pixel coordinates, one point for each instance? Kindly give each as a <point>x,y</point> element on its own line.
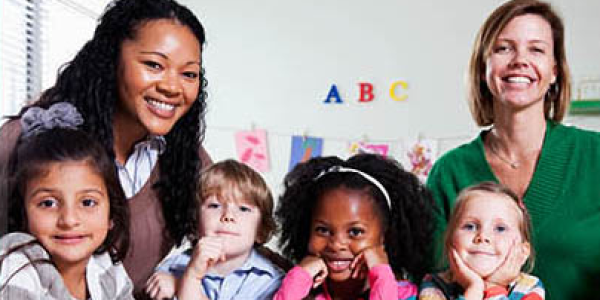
<point>333,93</point>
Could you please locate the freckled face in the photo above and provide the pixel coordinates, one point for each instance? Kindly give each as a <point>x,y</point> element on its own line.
<point>345,222</point>
<point>486,230</point>
<point>68,212</point>
<point>158,77</point>
<point>521,65</point>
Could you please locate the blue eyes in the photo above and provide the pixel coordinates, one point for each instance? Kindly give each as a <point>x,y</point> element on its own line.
<point>506,49</point>
<point>474,227</point>
<point>241,208</point>
<point>213,205</point>
<point>539,50</point>
<point>501,49</point>
<point>245,209</point>
<point>500,228</point>
<point>469,227</point>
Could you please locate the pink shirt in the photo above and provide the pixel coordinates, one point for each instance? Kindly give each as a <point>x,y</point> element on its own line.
<point>298,283</point>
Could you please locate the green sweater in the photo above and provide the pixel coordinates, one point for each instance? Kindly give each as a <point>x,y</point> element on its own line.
<point>563,199</point>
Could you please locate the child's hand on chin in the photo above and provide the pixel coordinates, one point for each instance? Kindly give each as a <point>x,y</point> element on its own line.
<point>316,267</point>
<point>466,277</point>
<point>367,259</point>
<point>207,252</point>
<point>510,268</point>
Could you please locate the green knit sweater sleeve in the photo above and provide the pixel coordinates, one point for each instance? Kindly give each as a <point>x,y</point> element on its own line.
<point>442,191</point>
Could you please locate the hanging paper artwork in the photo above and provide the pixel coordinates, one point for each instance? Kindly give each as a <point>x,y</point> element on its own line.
<point>304,148</point>
<point>362,147</point>
<point>252,149</point>
<point>420,156</point>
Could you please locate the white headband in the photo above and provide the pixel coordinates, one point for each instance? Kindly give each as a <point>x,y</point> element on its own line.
<point>375,182</point>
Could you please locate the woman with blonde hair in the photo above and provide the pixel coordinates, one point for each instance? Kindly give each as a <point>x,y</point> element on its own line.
<point>519,87</point>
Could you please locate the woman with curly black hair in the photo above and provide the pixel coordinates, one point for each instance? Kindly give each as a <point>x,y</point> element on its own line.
<point>345,221</point>
<point>140,87</point>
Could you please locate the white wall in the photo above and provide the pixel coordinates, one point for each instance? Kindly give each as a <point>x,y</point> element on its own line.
<point>56,44</point>
<point>270,64</point>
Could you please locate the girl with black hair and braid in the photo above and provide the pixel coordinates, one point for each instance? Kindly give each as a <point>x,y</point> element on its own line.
<point>140,87</point>
<point>357,229</point>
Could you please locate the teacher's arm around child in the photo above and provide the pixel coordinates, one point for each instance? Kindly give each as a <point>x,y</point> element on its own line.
<point>67,214</point>
<point>235,219</point>
<point>487,244</point>
<point>353,227</point>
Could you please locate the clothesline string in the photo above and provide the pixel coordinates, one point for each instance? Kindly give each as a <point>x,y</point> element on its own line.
<point>337,138</point>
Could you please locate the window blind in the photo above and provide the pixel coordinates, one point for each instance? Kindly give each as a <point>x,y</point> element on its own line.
<point>17,40</point>
<point>37,37</point>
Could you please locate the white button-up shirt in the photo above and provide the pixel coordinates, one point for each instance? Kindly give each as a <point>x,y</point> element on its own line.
<point>139,165</point>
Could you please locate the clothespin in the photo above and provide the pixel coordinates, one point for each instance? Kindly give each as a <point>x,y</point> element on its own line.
<point>364,138</point>
<point>304,135</point>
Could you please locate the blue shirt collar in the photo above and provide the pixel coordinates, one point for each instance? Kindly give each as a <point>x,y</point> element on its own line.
<point>256,262</point>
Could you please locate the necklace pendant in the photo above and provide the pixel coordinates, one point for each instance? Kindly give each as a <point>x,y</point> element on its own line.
<point>514,165</point>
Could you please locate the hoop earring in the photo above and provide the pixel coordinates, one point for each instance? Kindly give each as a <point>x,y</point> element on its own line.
<point>552,91</point>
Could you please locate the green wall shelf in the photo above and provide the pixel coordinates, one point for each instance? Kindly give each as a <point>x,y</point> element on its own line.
<point>587,106</point>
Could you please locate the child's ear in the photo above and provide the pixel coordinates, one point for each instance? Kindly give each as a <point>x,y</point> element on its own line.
<point>111,225</point>
<point>259,239</point>
<point>526,249</point>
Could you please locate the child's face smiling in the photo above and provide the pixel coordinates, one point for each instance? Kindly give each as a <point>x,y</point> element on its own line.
<point>344,223</point>
<point>68,212</point>
<point>487,229</point>
<point>236,222</point>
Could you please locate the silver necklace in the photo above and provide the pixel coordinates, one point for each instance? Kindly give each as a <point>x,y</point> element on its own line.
<point>513,164</point>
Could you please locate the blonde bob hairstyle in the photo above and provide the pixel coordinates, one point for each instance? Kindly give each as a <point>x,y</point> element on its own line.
<point>230,180</point>
<point>498,189</point>
<point>480,98</point>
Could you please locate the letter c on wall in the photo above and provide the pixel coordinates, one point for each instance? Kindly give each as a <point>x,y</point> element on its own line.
<point>393,95</point>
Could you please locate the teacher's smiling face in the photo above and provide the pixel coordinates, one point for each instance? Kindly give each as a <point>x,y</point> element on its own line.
<point>521,66</point>
<point>158,77</point>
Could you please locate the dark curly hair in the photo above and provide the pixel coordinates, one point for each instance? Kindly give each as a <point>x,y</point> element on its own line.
<point>408,225</point>
<point>89,82</point>
<point>33,156</point>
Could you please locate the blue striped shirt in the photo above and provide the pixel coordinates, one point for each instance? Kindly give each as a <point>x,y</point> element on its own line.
<point>257,278</point>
